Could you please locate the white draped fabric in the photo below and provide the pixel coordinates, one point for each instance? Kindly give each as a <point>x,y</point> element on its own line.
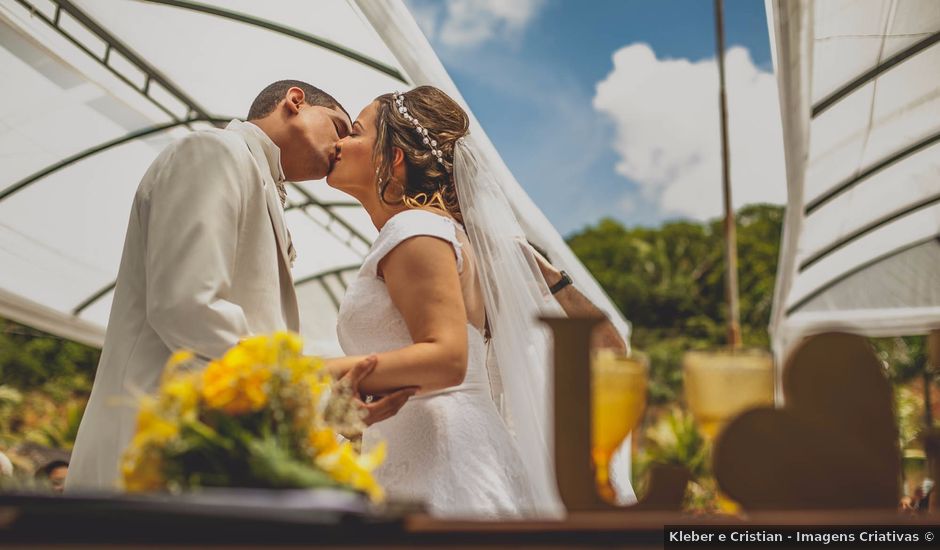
<point>859,87</point>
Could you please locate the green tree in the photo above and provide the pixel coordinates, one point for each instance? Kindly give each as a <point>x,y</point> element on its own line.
<point>32,359</point>
<point>669,281</point>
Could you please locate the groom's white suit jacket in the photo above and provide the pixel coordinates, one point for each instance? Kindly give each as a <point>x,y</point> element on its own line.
<point>205,264</point>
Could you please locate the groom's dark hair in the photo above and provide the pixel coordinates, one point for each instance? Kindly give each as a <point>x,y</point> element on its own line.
<point>273,94</point>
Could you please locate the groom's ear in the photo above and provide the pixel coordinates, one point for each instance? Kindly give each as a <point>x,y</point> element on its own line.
<point>294,99</point>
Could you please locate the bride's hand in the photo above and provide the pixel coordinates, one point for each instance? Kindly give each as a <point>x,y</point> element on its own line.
<point>382,407</point>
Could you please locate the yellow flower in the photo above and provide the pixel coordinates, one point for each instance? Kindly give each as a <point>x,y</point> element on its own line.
<point>179,358</point>
<point>323,440</point>
<point>142,470</point>
<point>257,350</point>
<point>235,387</point>
<point>318,388</point>
<point>304,369</point>
<point>347,467</point>
<point>244,357</point>
<point>152,427</point>
<point>173,364</point>
<point>289,342</point>
<point>182,392</point>
<point>374,458</point>
<point>142,463</point>
<point>245,380</point>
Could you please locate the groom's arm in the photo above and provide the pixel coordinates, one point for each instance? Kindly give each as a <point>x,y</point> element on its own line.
<point>192,235</point>
<point>575,303</point>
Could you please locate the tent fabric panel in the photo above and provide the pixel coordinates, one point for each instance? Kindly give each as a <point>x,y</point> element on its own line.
<point>863,216</point>
<point>21,310</point>
<point>93,66</point>
<point>99,311</point>
<point>884,117</point>
<point>90,199</point>
<point>910,278</point>
<point>225,65</point>
<point>334,21</point>
<point>857,36</point>
<point>906,107</point>
<point>893,189</point>
<point>853,40</point>
<point>918,226</point>
<point>790,25</point>
<point>318,249</point>
<point>42,93</point>
<point>874,323</point>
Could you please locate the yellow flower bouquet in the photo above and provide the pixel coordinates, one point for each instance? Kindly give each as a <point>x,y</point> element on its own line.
<point>262,416</point>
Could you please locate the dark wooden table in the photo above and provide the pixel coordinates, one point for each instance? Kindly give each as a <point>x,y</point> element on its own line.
<point>122,522</point>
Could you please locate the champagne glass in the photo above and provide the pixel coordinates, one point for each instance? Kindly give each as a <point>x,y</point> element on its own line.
<point>619,396</point>
<point>719,385</point>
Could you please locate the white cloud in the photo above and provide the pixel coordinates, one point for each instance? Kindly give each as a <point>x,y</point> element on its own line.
<point>666,118</point>
<point>468,23</point>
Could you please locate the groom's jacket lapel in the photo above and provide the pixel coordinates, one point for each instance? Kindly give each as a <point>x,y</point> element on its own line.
<point>270,195</point>
<point>278,224</point>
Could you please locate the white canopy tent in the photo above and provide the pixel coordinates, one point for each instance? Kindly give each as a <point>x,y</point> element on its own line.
<point>859,87</point>
<point>93,89</point>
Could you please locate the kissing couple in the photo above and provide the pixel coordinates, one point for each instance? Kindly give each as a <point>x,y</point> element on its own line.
<point>440,323</point>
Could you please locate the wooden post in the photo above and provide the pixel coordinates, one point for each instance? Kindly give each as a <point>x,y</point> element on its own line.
<point>574,468</point>
<point>574,465</point>
<point>731,248</point>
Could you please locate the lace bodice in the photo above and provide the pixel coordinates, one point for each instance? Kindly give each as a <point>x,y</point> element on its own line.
<point>449,448</point>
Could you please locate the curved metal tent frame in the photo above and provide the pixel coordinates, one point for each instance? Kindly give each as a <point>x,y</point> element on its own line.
<point>101,148</point>
<point>282,29</point>
<point>196,112</point>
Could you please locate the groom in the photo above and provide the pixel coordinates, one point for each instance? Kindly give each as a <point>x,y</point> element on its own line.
<point>207,260</point>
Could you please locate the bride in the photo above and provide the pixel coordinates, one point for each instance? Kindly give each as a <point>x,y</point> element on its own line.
<point>447,300</point>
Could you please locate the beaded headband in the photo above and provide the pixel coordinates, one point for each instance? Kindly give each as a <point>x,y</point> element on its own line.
<point>422,131</point>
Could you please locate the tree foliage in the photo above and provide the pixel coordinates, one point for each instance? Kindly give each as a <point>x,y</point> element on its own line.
<point>32,359</point>
<point>669,281</point>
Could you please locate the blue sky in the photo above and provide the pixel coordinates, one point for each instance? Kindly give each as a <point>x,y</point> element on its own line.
<point>632,149</point>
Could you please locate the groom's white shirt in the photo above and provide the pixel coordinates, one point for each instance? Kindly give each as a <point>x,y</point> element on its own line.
<point>204,265</point>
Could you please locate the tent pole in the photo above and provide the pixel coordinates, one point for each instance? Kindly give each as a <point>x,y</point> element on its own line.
<point>933,359</point>
<point>932,438</point>
<point>731,249</point>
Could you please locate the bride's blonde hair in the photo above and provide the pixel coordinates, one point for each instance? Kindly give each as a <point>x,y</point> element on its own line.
<point>428,179</point>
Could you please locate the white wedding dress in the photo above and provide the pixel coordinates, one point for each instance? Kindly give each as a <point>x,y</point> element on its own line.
<point>450,449</point>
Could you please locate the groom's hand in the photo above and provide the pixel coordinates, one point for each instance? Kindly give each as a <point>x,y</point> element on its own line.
<point>383,407</point>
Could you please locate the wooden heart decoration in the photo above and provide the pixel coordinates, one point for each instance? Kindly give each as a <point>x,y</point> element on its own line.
<point>834,444</point>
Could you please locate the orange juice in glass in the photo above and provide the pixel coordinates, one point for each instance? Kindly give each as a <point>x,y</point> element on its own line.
<point>719,385</point>
<point>619,398</point>
<point>722,384</point>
